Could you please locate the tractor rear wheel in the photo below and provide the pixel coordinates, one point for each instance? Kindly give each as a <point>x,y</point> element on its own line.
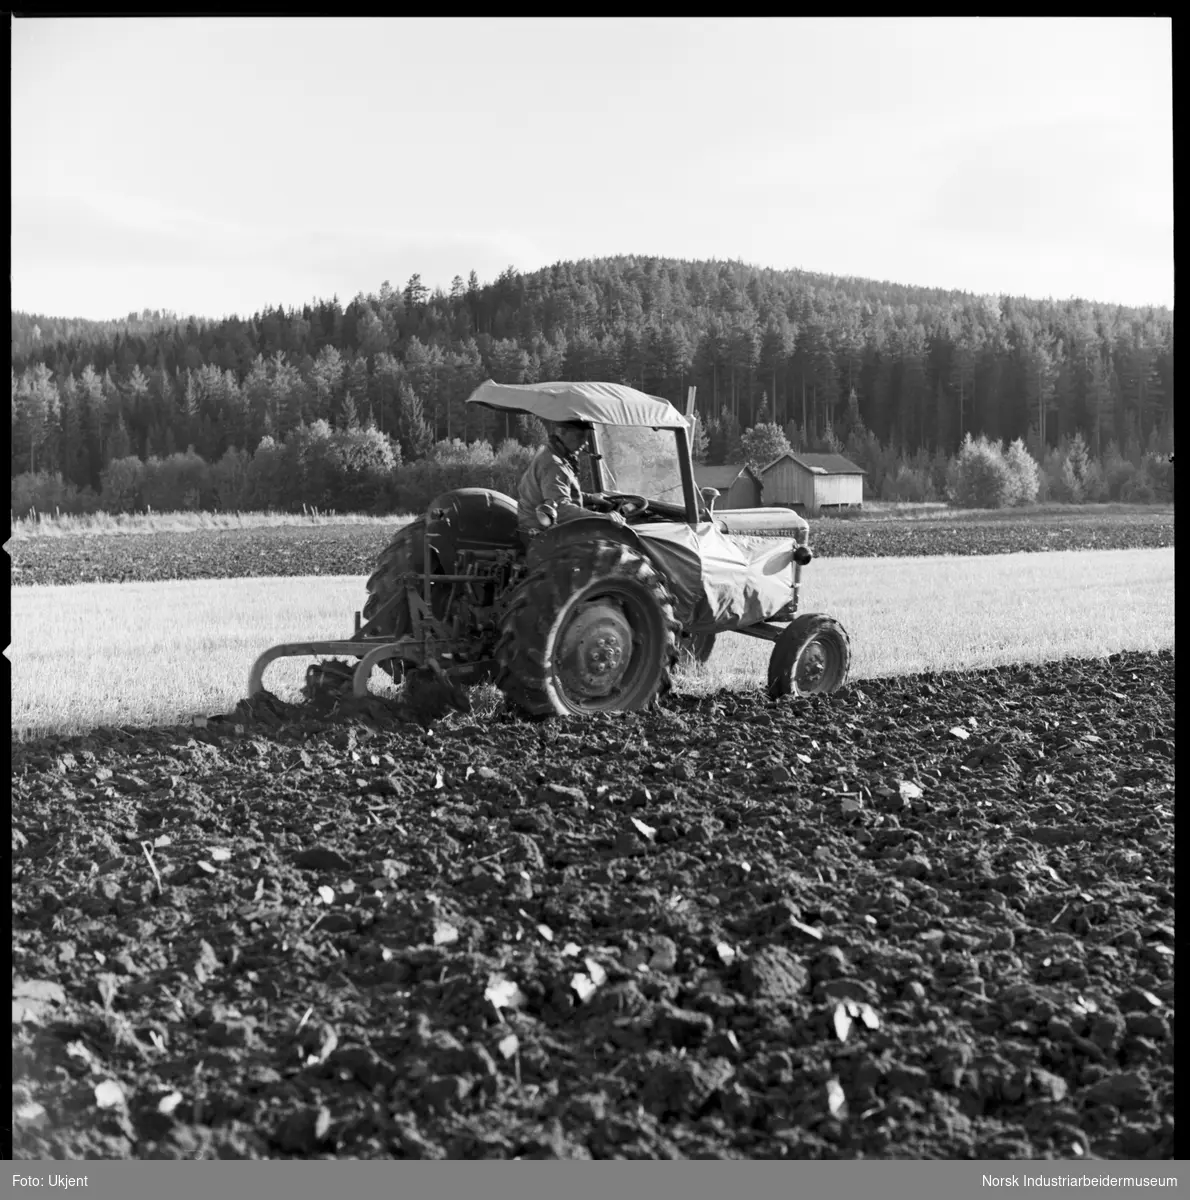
<point>592,629</point>
<point>401,558</point>
<point>813,654</point>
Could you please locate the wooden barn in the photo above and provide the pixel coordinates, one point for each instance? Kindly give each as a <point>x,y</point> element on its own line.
<point>739,487</point>
<point>811,482</point>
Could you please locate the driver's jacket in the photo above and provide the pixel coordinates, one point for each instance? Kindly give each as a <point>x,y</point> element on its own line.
<point>550,479</point>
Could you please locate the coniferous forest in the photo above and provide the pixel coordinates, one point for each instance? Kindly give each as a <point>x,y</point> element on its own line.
<point>893,375</point>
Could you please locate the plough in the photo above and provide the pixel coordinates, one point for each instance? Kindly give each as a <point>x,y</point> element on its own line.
<point>426,646</point>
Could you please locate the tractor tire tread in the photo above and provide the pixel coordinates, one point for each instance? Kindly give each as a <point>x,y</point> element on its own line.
<point>521,658</point>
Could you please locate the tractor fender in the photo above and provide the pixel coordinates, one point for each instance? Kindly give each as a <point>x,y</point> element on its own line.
<point>688,600</point>
<point>581,529</point>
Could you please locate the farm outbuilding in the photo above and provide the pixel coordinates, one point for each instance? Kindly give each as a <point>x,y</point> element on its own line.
<point>811,482</point>
<point>738,487</point>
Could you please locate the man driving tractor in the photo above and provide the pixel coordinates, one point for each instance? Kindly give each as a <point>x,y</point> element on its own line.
<point>550,491</point>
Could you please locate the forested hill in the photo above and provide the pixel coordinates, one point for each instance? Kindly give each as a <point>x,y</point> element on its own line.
<point>919,367</point>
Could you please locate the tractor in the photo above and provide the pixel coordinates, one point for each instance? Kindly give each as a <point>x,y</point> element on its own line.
<point>588,615</point>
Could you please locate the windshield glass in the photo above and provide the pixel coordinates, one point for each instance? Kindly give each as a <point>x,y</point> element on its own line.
<point>640,462</point>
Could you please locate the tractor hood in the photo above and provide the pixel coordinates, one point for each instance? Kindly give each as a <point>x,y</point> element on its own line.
<point>763,522</point>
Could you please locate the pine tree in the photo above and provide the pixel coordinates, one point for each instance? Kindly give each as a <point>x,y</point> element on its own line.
<point>138,393</point>
<point>636,354</point>
<point>827,442</point>
<point>962,378</point>
<point>1040,371</point>
<point>508,363</point>
<point>423,365</point>
<point>714,440</point>
<point>776,345</point>
<point>289,399</point>
<point>1076,469</point>
<point>387,374</point>
<point>36,417</point>
<point>72,452</point>
<point>1100,408</point>
<point>90,408</point>
<point>675,355</point>
<point>119,445</point>
<point>725,446</point>
<point>530,431</point>
<point>414,432</point>
<point>416,293</point>
<point>467,372</point>
<point>327,381</point>
<point>743,353</point>
<point>256,392</point>
<point>551,356</point>
<point>348,415</point>
<point>710,357</point>
<point>356,379</point>
<point>733,444</point>
<point>942,435</point>
<point>851,418</point>
<point>913,401</point>
<point>371,335</point>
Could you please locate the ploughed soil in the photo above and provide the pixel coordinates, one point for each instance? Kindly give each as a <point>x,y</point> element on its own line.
<point>926,917</point>
<point>353,549</point>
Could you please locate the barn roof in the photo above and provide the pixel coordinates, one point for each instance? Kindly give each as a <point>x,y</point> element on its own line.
<point>820,464</point>
<point>721,476</point>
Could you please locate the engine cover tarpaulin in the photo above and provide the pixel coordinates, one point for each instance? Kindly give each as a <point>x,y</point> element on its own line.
<point>721,582</point>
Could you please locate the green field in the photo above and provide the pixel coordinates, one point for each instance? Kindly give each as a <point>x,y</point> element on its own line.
<point>151,653</point>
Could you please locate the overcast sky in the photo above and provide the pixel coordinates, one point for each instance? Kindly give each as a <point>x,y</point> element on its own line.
<point>217,166</point>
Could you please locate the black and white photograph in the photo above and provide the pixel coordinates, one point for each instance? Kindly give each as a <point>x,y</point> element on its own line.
<point>593,588</point>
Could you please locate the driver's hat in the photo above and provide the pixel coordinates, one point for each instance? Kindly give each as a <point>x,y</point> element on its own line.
<point>581,426</point>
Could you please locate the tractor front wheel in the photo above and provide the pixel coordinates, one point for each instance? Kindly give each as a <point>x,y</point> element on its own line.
<point>813,654</point>
<point>592,629</point>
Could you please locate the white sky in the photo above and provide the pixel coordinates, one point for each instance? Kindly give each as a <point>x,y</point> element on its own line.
<point>214,166</point>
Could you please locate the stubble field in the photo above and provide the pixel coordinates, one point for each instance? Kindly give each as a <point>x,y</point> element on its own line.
<point>929,916</point>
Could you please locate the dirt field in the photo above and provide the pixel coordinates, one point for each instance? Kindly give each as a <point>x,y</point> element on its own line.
<point>931,916</point>
<point>351,549</point>
<point>928,917</point>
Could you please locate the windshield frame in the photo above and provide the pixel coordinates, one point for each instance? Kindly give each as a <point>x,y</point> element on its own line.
<point>687,503</point>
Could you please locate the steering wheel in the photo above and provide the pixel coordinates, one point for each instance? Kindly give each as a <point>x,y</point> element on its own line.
<point>631,506</point>
<point>627,505</point>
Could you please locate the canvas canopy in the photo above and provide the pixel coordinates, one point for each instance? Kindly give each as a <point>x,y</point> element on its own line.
<point>601,403</point>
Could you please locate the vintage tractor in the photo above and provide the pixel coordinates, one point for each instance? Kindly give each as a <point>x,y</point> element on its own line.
<point>589,615</point>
